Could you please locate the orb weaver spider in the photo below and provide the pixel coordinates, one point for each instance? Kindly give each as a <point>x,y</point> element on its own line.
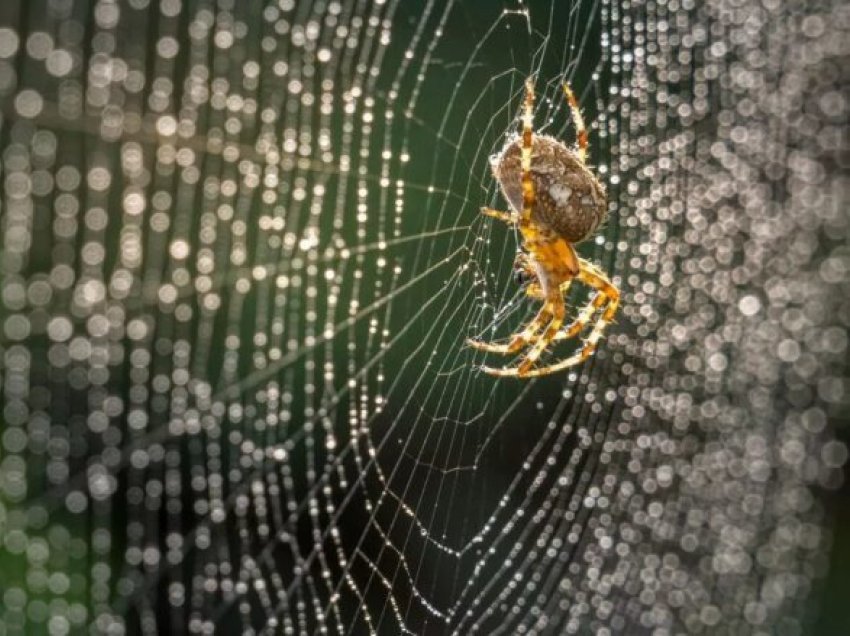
<point>556,202</point>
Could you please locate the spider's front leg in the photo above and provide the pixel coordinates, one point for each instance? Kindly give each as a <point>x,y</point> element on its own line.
<point>556,263</point>
<point>553,312</point>
<point>607,301</point>
<point>519,340</point>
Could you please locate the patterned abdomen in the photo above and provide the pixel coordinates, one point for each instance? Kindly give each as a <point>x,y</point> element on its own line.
<point>569,200</point>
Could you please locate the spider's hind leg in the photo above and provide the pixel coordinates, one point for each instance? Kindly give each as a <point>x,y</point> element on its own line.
<point>578,120</point>
<point>511,218</point>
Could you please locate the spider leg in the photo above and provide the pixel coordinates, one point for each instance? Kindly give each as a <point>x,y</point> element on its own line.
<point>559,311</point>
<point>606,294</point>
<point>525,158</point>
<point>578,120</point>
<point>535,289</point>
<point>510,218</point>
<point>606,300</point>
<point>530,332</point>
<point>518,340</point>
<point>556,263</point>
<point>578,325</point>
<point>555,260</point>
<point>553,310</point>
<point>608,297</point>
<point>527,335</point>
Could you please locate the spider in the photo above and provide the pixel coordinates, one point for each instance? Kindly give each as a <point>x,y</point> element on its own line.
<point>556,202</point>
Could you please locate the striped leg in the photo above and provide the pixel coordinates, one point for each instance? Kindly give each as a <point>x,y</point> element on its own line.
<point>606,300</point>
<point>578,120</point>
<point>511,218</point>
<point>528,197</point>
<point>519,340</point>
<point>535,290</point>
<point>557,311</point>
<point>523,220</point>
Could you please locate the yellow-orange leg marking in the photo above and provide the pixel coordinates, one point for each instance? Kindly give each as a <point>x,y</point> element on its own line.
<point>610,296</point>
<point>511,218</point>
<point>527,335</point>
<point>578,120</point>
<point>585,352</point>
<point>607,294</point>
<point>578,325</point>
<point>553,311</point>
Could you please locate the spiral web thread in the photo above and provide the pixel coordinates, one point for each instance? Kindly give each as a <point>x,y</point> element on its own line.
<point>241,252</point>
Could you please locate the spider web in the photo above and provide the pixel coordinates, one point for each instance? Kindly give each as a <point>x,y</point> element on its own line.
<point>241,256</point>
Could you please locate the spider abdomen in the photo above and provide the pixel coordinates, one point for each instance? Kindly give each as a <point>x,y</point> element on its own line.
<point>568,198</point>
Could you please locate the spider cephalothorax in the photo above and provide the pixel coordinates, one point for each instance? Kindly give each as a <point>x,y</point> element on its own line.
<point>557,202</point>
